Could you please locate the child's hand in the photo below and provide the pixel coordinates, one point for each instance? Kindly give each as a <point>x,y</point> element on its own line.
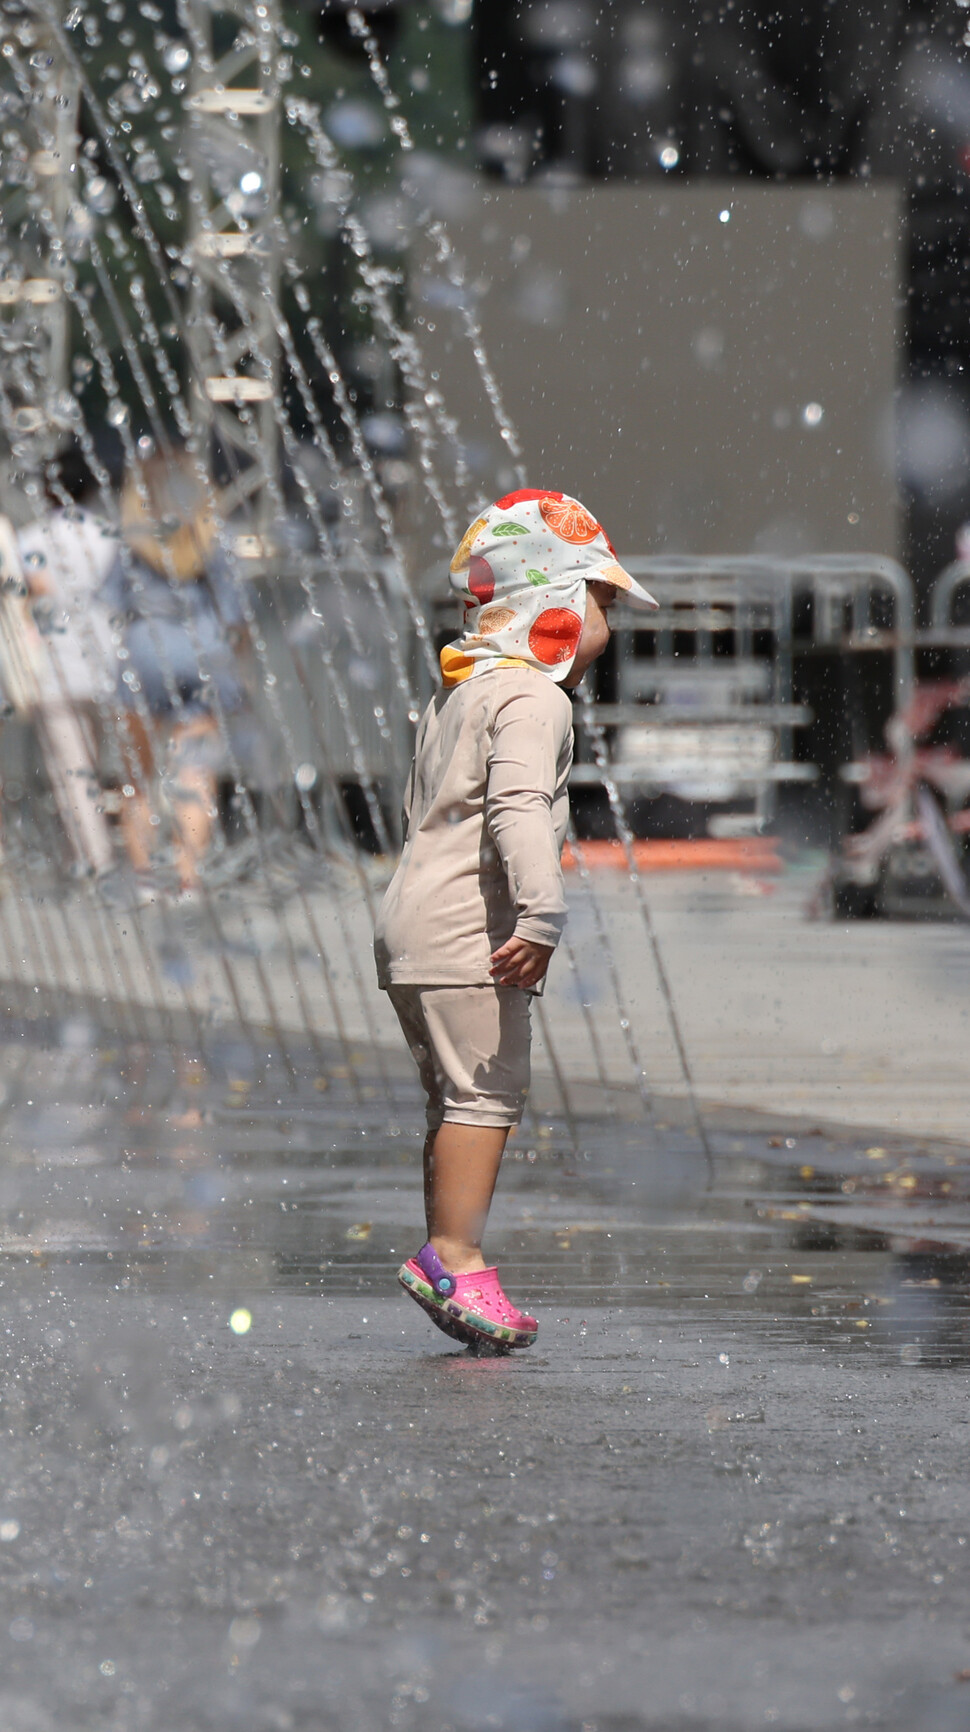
<point>520,963</point>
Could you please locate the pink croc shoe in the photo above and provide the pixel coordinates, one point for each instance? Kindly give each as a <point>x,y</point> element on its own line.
<point>470,1308</point>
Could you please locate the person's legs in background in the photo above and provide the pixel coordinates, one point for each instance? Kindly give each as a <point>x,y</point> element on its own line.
<point>192,792</point>
<point>138,762</point>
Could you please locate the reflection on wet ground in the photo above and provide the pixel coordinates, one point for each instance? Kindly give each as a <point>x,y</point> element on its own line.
<point>246,1486</point>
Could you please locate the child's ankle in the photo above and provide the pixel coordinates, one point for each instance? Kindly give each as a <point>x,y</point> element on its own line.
<point>457,1256</point>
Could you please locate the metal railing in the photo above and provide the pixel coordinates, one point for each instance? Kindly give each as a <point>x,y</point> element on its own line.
<point>942,631</point>
<point>711,672</point>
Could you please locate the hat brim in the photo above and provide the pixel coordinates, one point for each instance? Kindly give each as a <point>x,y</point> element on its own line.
<point>629,588</point>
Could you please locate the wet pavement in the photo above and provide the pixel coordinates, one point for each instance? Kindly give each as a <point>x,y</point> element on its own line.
<point>246,1486</point>
<point>859,1022</point>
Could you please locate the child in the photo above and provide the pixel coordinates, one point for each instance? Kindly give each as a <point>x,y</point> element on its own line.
<point>476,907</point>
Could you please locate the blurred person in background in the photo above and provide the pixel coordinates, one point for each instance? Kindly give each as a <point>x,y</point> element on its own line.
<point>176,606</point>
<point>67,657</point>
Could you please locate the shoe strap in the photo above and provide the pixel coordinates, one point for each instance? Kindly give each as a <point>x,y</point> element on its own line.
<point>441,1279</point>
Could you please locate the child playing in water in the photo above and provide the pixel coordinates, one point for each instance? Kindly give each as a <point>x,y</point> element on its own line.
<point>476,907</point>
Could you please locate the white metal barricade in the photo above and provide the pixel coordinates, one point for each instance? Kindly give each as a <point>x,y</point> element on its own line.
<point>943,633</point>
<point>704,706</point>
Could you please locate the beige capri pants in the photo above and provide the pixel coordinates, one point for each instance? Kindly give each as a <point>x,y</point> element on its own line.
<point>471,1046</point>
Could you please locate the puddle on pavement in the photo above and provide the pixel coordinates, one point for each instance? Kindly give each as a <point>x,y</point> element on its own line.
<point>154,1174</point>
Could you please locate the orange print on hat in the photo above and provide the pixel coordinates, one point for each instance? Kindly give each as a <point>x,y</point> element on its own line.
<point>463,550</point>
<point>494,619</point>
<point>613,574</point>
<point>569,520</point>
<point>454,666</point>
<point>555,636</point>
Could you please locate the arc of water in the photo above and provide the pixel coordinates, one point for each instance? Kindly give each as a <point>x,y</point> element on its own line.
<point>49,95</point>
<point>404,350</point>
<point>376,588</point>
<point>592,1030</point>
<point>345,709</point>
<point>51,949</point>
<point>273,493</point>
<point>137,373</point>
<point>98,346</point>
<point>624,1017</point>
<point>103,483</point>
<point>178,405</point>
<point>376,492</point>
<point>329,664</point>
<point>401,342</point>
<point>445,252</point>
<point>491,399</point>
<point>324,443</point>
<point>175,696</point>
<point>135,203</point>
<point>109,953</point>
<point>359,26</point>
<point>41,923</point>
<point>111,386</point>
<point>626,837</point>
<point>558,1073</point>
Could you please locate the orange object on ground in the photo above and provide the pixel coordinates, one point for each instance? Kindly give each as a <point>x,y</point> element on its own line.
<point>698,854</point>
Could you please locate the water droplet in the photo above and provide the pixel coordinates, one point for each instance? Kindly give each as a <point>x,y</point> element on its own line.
<point>244,1632</point>
<point>354,124</point>
<point>176,57</point>
<point>117,414</point>
<point>147,168</point>
<point>135,96</point>
<point>812,414</point>
<point>241,1321</point>
<point>100,195</point>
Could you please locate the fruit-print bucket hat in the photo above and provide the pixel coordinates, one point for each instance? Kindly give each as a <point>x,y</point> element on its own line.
<point>521,569</point>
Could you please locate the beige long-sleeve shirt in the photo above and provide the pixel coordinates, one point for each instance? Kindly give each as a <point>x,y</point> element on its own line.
<point>485,814</point>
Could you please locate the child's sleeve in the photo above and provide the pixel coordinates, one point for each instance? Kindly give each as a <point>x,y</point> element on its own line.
<point>530,737</point>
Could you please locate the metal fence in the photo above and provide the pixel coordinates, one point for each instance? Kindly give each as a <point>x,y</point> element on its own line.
<point>704,702</point>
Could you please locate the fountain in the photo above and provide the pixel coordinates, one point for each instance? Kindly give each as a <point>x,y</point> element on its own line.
<point>155,282</point>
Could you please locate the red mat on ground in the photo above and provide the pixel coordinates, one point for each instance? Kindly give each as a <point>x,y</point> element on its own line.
<point>701,853</point>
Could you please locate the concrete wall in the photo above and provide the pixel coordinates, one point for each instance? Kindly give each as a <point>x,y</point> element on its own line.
<point>661,363</point>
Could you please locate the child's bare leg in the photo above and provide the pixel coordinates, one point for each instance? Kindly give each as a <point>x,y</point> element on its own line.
<point>461,1164</point>
<point>138,755</point>
<point>193,822</point>
<point>193,795</point>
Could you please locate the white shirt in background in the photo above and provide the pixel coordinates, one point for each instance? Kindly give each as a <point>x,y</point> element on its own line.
<point>73,551</point>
